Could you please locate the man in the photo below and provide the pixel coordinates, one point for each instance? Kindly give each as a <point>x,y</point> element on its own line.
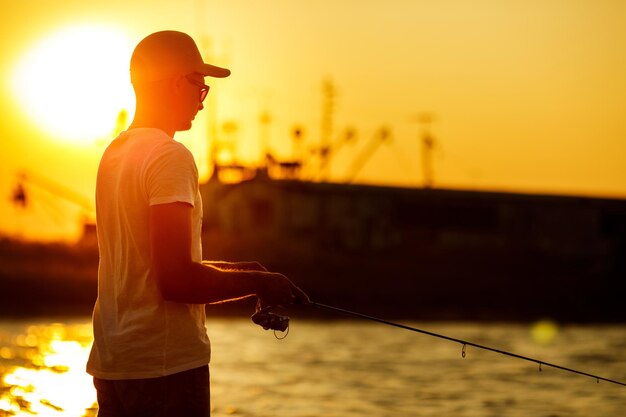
<point>151,352</point>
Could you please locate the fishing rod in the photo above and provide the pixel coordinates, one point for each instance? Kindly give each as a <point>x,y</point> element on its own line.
<point>465,343</point>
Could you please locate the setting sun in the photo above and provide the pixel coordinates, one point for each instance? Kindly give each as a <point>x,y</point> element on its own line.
<point>74,84</point>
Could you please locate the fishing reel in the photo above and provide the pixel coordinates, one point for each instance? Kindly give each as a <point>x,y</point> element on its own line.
<point>268,320</point>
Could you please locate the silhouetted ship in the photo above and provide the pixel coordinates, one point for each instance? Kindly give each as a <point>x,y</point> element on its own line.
<point>428,253</point>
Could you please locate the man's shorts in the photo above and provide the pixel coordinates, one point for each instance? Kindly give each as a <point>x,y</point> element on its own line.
<point>183,394</point>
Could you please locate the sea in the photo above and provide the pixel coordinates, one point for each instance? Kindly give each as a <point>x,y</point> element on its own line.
<point>344,368</point>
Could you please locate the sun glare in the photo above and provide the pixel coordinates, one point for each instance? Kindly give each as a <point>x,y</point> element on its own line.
<point>75,83</point>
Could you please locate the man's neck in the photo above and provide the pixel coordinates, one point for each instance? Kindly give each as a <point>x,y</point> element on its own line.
<point>143,121</point>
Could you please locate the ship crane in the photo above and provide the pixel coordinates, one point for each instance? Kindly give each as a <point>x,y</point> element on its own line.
<point>382,135</point>
<point>330,143</point>
<point>428,145</point>
<point>21,197</point>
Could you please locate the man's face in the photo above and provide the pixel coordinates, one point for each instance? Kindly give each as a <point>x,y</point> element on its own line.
<point>193,92</point>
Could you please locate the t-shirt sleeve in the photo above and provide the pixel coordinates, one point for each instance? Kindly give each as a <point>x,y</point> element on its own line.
<point>171,175</point>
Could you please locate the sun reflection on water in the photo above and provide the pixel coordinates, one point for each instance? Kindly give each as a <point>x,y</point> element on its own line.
<point>44,371</point>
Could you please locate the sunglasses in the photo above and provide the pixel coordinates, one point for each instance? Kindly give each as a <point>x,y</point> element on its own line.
<point>204,89</point>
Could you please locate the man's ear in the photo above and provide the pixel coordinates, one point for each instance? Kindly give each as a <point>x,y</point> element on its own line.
<point>177,84</point>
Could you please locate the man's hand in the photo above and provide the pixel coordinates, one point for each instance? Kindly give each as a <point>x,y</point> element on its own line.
<point>278,290</point>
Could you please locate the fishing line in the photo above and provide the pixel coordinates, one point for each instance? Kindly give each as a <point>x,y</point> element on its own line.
<point>465,343</point>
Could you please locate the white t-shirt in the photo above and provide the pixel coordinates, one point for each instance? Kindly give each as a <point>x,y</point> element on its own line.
<point>137,334</point>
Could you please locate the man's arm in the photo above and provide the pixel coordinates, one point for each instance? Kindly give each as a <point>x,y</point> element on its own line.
<point>182,280</point>
<point>236,266</point>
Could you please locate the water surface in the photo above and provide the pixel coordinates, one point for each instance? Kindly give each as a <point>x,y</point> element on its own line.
<point>341,369</point>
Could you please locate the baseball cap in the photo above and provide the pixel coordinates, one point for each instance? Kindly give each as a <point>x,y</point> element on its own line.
<point>164,54</point>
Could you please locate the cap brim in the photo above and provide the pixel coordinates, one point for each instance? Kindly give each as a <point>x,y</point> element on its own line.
<point>209,70</point>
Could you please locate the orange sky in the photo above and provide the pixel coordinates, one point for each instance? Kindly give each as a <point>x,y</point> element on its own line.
<point>528,95</point>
